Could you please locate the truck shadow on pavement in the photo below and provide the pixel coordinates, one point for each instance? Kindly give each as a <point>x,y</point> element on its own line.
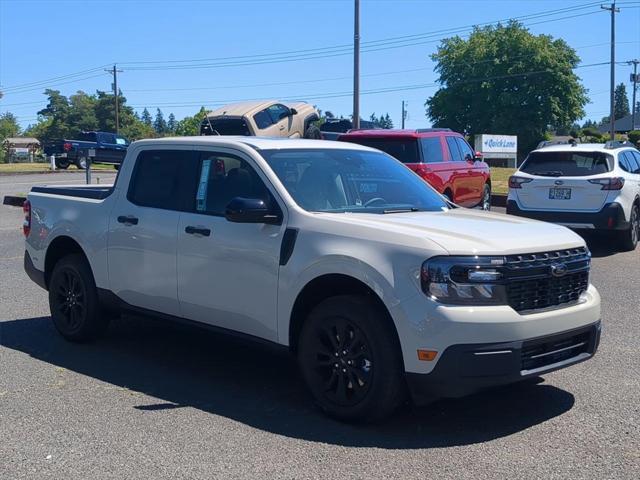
<point>260,387</point>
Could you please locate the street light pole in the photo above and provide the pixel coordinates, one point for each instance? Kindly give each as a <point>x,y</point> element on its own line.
<point>613,11</point>
<point>634,81</point>
<point>356,65</point>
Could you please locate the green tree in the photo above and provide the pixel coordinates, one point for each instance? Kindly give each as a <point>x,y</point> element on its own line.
<point>590,123</point>
<point>503,79</point>
<point>146,118</point>
<point>190,126</point>
<point>160,124</point>
<point>82,114</point>
<point>620,102</point>
<point>55,116</point>
<point>171,123</point>
<point>9,126</point>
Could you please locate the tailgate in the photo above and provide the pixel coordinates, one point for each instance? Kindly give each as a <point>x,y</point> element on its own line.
<point>574,194</point>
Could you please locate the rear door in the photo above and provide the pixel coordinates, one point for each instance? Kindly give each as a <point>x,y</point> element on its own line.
<point>142,236</point>
<point>629,161</point>
<point>561,181</point>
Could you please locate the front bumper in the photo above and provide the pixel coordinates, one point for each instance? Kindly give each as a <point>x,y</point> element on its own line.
<point>610,217</point>
<point>467,368</point>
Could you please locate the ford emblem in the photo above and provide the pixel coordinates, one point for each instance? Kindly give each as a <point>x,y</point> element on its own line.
<point>558,182</point>
<point>559,269</point>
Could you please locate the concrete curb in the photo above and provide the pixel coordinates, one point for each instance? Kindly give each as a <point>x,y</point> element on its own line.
<point>13,201</point>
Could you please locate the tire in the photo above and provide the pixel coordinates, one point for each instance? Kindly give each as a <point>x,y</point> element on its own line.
<point>313,132</point>
<point>485,203</point>
<point>81,163</point>
<point>368,355</point>
<point>73,300</point>
<point>449,195</point>
<point>62,163</point>
<point>630,237</point>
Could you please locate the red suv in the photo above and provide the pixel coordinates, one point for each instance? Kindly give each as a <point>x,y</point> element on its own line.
<point>440,156</point>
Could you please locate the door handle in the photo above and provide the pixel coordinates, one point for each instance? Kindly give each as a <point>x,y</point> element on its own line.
<point>281,127</point>
<point>128,220</point>
<point>205,232</point>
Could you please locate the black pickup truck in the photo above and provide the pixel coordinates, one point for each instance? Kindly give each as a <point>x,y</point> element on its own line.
<point>106,147</point>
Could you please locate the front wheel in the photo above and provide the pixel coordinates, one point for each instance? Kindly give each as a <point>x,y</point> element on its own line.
<point>630,236</point>
<point>81,163</point>
<point>313,132</point>
<point>73,300</point>
<point>350,359</point>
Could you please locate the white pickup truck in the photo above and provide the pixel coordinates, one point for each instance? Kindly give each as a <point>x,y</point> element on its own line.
<point>376,283</point>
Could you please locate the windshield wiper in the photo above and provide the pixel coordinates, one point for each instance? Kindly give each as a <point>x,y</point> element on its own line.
<point>549,173</point>
<point>401,210</point>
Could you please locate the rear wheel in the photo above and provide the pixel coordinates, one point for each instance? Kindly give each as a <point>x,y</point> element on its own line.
<point>62,163</point>
<point>73,300</point>
<point>350,359</point>
<point>486,197</point>
<point>630,236</point>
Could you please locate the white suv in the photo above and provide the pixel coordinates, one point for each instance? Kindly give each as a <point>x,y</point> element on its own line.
<point>588,186</point>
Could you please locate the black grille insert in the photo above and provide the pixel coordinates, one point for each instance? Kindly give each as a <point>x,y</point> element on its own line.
<point>533,281</point>
<point>536,354</point>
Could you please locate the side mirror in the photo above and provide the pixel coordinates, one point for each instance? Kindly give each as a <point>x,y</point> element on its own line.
<point>293,111</point>
<point>478,156</point>
<point>251,210</point>
<point>116,166</point>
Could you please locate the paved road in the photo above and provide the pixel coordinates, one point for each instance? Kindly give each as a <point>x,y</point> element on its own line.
<point>155,400</point>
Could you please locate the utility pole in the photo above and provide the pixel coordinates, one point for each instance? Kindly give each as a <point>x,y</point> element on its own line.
<point>115,72</point>
<point>612,8</point>
<point>404,114</point>
<point>356,65</point>
<point>634,81</point>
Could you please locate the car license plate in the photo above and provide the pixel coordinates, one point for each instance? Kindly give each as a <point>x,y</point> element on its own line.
<point>560,194</point>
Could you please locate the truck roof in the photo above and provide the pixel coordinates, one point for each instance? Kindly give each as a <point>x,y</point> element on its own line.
<point>258,143</point>
<point>583,147</point>
<point>247,108</point>
<point>399,133</point>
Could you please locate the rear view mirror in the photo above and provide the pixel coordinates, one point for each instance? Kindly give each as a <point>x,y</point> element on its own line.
<point>293,111</point>
<point>251,210</point>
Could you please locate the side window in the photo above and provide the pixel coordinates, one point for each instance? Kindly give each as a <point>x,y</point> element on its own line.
<point>632,161</point>
<point>465,149</point>
<point>277,112</point>
<point>222,178</point>
<point>624,162</point>
<point>262,119</point>
<point>160,179</point>
<point>636,155</point>
<point>456,156</point>
<point>431,150</point>
<point>87,137</point>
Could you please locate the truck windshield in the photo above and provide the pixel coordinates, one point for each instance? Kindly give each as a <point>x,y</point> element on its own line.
<point>224,126</point>
<point>571,164</point>
<point>332,180</point>
<point>404,149</point>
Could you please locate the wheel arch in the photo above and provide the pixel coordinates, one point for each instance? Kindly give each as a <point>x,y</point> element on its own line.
<point>327,286</point>
<point>59,248</point>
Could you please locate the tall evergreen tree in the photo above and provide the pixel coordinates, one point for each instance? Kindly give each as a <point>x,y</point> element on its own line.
<point>146,118</point>
<point>171,123</point>
<point>160,124</point>
<point>620,102</point>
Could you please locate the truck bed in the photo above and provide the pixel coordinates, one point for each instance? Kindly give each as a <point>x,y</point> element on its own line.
<point>81,191</point>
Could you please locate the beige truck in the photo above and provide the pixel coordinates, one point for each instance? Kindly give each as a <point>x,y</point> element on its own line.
<point>266,118</point>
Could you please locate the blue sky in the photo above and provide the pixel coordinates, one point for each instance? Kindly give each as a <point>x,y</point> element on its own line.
<point>42,40</point>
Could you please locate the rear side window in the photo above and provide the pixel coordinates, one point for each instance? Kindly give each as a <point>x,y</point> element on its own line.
<point>636,155</point>
<point>403,149</point>
<point>431,150</point>
<point>628,162</point>
<point>87,136</point>
<point>224,126</point>
<point>161,179</point>
<point>572,164</point>
<point>456,156</point>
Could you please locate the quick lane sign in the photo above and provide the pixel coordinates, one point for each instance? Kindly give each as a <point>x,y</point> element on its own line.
<point>487,143</point>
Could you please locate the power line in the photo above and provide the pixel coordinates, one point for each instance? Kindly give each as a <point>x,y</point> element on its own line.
<point>11,88</point>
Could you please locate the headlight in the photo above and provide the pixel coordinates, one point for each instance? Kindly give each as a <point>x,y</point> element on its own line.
<point>465,280</point>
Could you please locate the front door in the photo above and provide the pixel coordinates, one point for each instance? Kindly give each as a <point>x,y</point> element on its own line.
<point>143,227</point>
<point>228,272</point>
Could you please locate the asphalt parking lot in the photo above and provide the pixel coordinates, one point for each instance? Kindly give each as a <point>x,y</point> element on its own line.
<point>157,400</point>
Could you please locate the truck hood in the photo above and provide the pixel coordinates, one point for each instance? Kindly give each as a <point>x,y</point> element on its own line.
<point>462,231</point>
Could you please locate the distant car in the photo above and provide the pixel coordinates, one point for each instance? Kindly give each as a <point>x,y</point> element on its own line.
<point>583,187</point>
<point>109,148</point>
<point>443,158</point>
<point>332,128</point>
<point>267,118</point>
